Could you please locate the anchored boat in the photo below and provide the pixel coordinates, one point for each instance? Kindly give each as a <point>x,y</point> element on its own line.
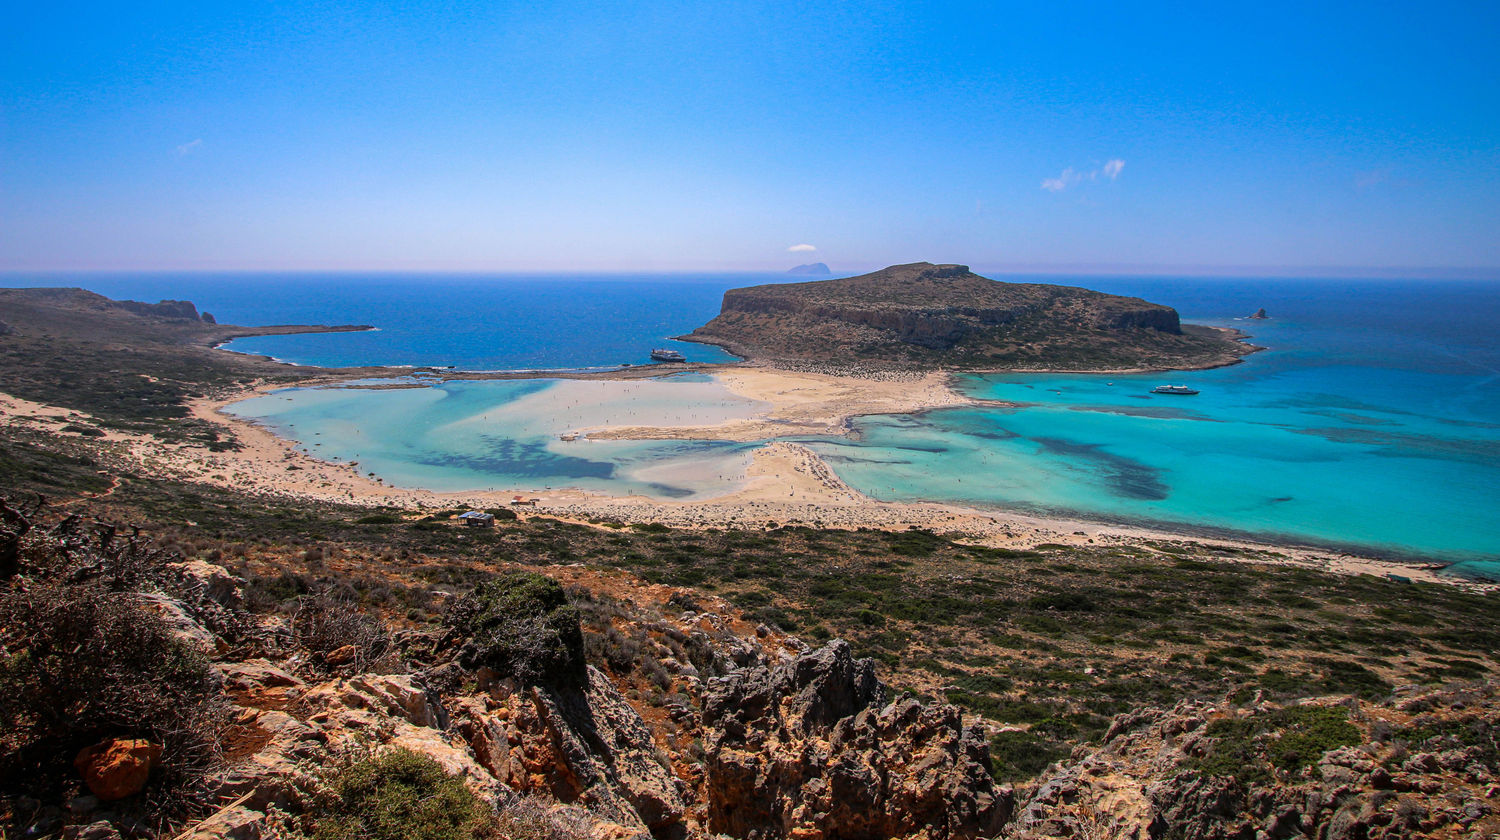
<point>1181,390</point>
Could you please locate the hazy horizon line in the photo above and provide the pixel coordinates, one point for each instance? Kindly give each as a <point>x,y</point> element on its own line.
<point>847,269</point>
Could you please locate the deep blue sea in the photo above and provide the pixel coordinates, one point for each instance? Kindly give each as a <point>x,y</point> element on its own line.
<point>1371,421</point>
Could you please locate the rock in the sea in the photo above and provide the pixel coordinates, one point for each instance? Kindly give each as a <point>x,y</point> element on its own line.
<point>117,767</point>
<point>1260,314</point>
<point>809,749</point>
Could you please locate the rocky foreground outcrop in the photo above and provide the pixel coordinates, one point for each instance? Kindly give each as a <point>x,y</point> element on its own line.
<point>806,747</point>
<point>752,736</point>
<point>925,315</point>
<point>810,749</point>
<point>1422,766</point>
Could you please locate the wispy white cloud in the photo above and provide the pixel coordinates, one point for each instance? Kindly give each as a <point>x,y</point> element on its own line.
<point>1068,178</point>
<point>802,249</point>
<point>1071,177</point>
<point>189,147</point>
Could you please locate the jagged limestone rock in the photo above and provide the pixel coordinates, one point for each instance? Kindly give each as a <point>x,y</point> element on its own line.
<point>810,749</point>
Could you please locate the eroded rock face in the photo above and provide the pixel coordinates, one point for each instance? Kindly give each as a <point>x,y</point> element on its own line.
<point>210,581</point>
<point>182,624</point>
<point>586,747</point>
<point>810,749</point>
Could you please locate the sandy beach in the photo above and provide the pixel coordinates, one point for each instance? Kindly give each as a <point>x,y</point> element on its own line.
<point>784,483</point>
<point>802,404</point>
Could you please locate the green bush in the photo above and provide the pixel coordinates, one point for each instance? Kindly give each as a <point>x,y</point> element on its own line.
<point>1021,755</point>
<point>520,624</point>
<point>1308,732</point>
<point>1288,739</point>
<point>399,795</point>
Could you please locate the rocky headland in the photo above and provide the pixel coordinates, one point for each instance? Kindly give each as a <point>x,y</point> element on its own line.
<point>923,316</point>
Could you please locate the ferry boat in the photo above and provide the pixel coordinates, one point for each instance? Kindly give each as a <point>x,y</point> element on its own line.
<point>662,355</point>
<point>1174,389</point>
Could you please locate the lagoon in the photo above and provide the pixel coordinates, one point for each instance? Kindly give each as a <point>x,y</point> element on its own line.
<point>1372,420</point>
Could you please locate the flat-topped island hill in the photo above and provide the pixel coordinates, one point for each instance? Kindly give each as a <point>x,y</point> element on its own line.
<point>925,316</point>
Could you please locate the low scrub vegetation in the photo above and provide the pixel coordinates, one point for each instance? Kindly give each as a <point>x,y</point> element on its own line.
<point>1249,749</point>
<point>399,795</point>
<point>83,658</point>
<point>519,624</point>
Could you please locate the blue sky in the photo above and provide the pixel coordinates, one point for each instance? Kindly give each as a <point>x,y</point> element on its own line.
<point>1185,137</point>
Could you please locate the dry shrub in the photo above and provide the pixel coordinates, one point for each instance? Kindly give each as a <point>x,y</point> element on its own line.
<point>529,818</point>
<point>327,622</point>
<point>80,663</point>
<point>81,659</point>
<point>78,551</point>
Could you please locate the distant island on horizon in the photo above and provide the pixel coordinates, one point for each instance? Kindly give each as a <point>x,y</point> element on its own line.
<point>810,269</point>
<point>927,316</point>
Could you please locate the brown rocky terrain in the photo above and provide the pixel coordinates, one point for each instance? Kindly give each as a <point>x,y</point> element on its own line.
<point>796,743</point>
<point>686,717</point>
<point>923,316</point>
<point>1420,764</point>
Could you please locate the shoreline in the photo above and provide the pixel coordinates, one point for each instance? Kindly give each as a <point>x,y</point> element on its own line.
<point>785,484</point>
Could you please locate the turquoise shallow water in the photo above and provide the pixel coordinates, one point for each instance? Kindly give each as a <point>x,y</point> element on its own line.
<point>1243,456</point>
<point>465,436</point>
<point>1372,421</point>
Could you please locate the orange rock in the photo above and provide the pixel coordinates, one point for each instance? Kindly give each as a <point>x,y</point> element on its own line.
<point>117,767</point>
<point>342,656</point>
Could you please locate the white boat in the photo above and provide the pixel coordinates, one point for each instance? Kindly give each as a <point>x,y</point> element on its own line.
<point>1182,390</point>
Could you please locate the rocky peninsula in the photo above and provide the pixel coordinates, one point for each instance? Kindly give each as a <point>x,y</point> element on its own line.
<point>923,316</point>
